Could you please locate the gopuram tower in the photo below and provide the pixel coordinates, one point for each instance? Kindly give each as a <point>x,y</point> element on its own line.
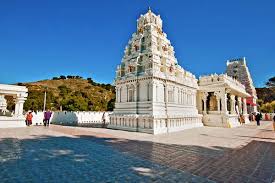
<point>237,69</point>
<point>153,93</point>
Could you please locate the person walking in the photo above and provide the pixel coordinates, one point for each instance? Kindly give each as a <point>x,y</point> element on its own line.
<point>274,123</point>
<point>258,118</point>
<point>47,117</point>
<point>29,118</point>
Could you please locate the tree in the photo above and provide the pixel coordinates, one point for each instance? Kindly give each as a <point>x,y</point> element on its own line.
<point>271,82</point>
<point>64,90</point>
<point>62,77</point>
<point>111,104</point>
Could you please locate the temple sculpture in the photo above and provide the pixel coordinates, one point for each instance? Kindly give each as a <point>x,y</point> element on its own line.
<point>154,94</point>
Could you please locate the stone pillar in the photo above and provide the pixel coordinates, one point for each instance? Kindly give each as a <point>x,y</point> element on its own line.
<point>193,98</point>
<point>173,95</point>
<point>19,104</point>
<point>127,93</point>
<point>232,98</point>
<point>137,92</point>
<point>244,106</point>
<point>218,97</point>
<point>240,105</point>
<point>185,97</point>
<point>117,94</point>
<point>153,91</point>
<point>120,93</point>
<point>204,98</point>
<point>224,103</point>
<point>148,91</point>
<point>178,95</point>
<point>165,93</point>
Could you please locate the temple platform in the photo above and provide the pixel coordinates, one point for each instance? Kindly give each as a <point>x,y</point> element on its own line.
<point>12,122</point>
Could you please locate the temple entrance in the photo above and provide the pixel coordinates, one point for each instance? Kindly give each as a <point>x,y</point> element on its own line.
<point>211,102</point>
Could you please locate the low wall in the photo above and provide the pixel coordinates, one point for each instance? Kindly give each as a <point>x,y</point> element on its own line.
<point>89,118</point>
<point>154,124</point>
<point>12,122</point>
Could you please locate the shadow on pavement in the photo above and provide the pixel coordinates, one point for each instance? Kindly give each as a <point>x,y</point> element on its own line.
<point>87,158</point>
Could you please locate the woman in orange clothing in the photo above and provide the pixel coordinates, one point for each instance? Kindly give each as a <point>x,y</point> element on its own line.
<point>29,118</point>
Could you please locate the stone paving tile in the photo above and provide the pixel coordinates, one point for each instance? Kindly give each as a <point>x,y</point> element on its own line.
<point>66,159</point>
<point>254,161</point>
<point>99,157</point>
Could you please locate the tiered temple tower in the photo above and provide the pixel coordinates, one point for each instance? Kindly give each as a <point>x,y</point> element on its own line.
<point>153,93</point>
<point>238,69</point>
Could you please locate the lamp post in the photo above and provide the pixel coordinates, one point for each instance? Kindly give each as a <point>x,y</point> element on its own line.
<point>45,99</point>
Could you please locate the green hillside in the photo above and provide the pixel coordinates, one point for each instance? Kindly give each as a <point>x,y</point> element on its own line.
<point>71,93</point>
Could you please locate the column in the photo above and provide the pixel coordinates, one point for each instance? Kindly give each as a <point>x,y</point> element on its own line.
<point>224,103</point>
<point>120,91</point>
<point>204,98</point>
<point>194,98</point>
<point>117,94</point>
<point>157,88</point>
<point>165,94</point>
<point>136,92</point>
<point>178,95</point>
<point>185,97</point>
<point>240,105</point>
<point>244,106</point>
<point>148,91</point>
<point>232,98</point>
<point>19,104</point>
<point>153,84</point>
<point>127,93</point>
<point>173,95</point>
<point>218,97</point>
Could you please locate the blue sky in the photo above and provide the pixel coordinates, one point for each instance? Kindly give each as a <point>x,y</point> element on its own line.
<point>41,39</point>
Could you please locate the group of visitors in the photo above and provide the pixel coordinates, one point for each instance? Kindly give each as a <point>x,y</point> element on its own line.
<point>46,119</point>
<point>258,117</point>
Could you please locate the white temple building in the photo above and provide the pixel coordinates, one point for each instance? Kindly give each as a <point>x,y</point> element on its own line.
<point>222,101</point>
<point>15,119</point>
<point>153,93</point>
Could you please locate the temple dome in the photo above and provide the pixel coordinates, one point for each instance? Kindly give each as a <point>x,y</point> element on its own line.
<point>149,18</point>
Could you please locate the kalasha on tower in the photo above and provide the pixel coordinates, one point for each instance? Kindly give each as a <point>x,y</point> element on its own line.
<point>154,94</point>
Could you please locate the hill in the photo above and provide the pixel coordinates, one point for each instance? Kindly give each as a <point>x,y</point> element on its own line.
<point>71,93</point>
<point>266,94</point>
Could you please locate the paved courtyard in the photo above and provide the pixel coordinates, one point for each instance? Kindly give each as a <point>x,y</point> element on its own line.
<point>74,154</point>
